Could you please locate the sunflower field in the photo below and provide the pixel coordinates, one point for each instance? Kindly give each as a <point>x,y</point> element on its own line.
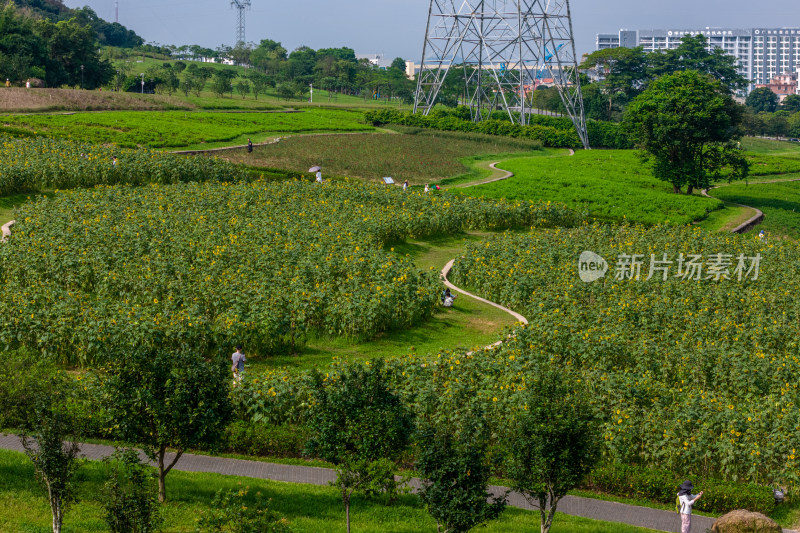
<point>693,376</point>
<point>212,264</point>
<point>34,164</point>
<point>691,348</point>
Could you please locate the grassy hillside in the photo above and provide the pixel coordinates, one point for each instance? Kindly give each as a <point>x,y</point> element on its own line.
<point>780,203</point>
<point>608,184</point>
<point>176,129</point>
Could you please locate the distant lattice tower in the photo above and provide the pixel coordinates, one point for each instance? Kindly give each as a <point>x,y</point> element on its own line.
<point>504,48</point>
<point>241,6</point>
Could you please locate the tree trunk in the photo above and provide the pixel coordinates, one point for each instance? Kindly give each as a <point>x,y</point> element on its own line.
<point>347,512</point>
<point>164,470</point>
<point>676,189</point>
<point>547,522</point>
<point>55,508</point>
<point>689,189</point>
<point>162,486</point>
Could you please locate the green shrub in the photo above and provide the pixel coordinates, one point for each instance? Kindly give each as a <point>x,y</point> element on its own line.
<point>23,378</point>
<point>233,512</point>
<point>130,501</point>
<point>264,440</point>
<point>662,486</point>
<point>551,131</point>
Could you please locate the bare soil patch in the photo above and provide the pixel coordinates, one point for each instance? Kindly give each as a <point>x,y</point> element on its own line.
<point>21,100</point>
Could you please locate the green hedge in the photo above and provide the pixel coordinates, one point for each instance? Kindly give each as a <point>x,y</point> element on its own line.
<point>662,486</point>
<point>556,132</point>
<point>264,440</point>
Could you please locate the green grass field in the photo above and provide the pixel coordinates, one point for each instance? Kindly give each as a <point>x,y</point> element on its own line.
<point>308,508</point>
<point>757,145</point>
<point>177,129</point>
<point>780,203</point>
<point>420,158</point>
<point>469,324</point>
<point>608,184</point>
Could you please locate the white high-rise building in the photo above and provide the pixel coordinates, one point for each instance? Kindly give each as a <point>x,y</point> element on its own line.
<point>761,53</point>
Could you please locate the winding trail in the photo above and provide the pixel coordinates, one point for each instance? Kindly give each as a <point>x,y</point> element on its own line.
<point>446,271</point>
<point>503,175</point>
<point>498,174</point>
<point>758,217</point>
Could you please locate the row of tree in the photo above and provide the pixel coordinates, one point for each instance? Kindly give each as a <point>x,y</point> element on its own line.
<point>155,401</point>
<point>767,115</point>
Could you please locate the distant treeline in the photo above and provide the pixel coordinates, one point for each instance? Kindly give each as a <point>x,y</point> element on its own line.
<point>49,42</point>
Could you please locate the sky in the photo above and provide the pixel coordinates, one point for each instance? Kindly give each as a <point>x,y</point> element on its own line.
<point>396,28</point>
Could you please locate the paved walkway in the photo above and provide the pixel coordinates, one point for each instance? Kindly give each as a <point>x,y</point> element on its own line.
<point>446,271</point>
<point>571,505</point>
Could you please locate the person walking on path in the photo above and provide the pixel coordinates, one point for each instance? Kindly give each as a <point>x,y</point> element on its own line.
<point>249,146</point>
<point>685,502</point>
<point>237,367</point>
<point>405,185</point>
<point>8,82</point>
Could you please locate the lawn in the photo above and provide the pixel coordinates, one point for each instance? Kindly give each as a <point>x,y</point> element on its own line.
<point>780,203</point>
<point>420,158</point>
<point>757,145</point>
<point>608,184</point>
<point>9,203</point>
<point>469,324</point>
<point>308,508</point>
<point>177,129</point>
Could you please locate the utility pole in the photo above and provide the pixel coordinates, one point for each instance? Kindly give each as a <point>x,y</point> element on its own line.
<point>241,6</point>
<point>142,82</point>
<point>311,100</point>
<point>116,11</point>
<point>499,47</point>
<point>81,76</point>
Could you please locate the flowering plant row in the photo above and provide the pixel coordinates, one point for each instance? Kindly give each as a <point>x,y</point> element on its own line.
<point>36,164</point>
<point>87,273</point>
<point>694,374</point>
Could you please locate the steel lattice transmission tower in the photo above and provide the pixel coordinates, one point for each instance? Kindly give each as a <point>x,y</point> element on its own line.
<point>240,6</point>
<point>502,48</point>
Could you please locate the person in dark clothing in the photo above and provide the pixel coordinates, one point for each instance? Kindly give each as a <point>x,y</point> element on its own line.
<point>249,146</point>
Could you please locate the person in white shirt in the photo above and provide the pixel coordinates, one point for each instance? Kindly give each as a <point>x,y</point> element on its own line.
<point>686,500</point>
<point>237,367</point>
<point>319,176</point>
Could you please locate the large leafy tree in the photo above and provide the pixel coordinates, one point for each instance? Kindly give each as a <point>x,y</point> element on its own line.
<point>791,103</point>
<point>693,54</point>
<point>159,399</point>
<point>623,72</point>
<point>360,426</point>
<point>688,123</point>
<point>22,52</point>
<point>553,445</point>
<point>762,99</point>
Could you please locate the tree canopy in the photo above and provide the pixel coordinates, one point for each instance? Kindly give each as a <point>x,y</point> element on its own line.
<point>687,123</point>
<point>625,72</point>
<point>762,99</point>
<point>53,51</point>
